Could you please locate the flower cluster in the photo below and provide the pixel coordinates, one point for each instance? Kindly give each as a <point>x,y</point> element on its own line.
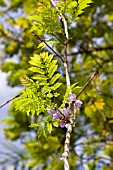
<point>63,114</point>
<point>77,103</point>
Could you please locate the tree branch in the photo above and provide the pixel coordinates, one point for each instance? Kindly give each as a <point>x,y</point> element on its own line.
<point>68,84</point>
<point>65,155</point>
<point>96,73</point>
<point>11,37</point>
<point>110,47</point>
<point>42,40</point>
<point>10,100</point>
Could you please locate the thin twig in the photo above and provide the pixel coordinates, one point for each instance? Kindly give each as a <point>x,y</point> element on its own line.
<point>11,37</point>
<point>42,40</point>
<point>96,73</point>
<point>109,47</point>
<point>10,100</point>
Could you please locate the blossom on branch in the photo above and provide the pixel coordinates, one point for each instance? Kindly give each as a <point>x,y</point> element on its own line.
<point>64,114</point>
<point>72,98</point>
<point>77,104</point>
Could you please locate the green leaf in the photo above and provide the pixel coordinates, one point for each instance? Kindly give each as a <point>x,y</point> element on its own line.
<point>50,95</point>
<point>28,112</point>
<point>82,4</point>
<point>41,45</point>
<point>52,68</point>
<point>65,97</point>
<point>40,77</point>
<point>40,132</point>
<point>49,127</point>
<point>56,86</point>
<point>55,124</point>
<point>49,59</point>
<point>72,5</point>
<point>54,78</point>
<point>34,125</point>
<point>36,61</point>
<point>36,69</point>
<point>37,96</point>
<point>35,18</point>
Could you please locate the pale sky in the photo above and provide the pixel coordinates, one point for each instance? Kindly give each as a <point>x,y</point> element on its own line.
<point>6,93</point>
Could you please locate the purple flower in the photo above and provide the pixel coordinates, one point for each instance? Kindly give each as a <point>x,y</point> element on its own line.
<point>77,104</point>
<point>65,119</point>
<point>55,1</point>
<point>72,98</point>
<point>66,112</point>
<point>62,124</point>
<point>63,116</point>
<point>51,110</point>
<point>57,115</point>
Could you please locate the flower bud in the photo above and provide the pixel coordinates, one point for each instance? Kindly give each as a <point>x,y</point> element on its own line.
<point>77,104</point>
<point>72,98</point>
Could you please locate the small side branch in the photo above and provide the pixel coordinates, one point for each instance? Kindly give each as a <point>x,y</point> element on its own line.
<point>68,84</point>
<point>42,40</point>
<point>89,51</point>
<point>96,73</point>
<point>11,37</point>
<point>10,100</point>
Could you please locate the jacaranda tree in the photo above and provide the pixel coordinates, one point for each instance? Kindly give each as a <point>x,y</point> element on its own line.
<point>63,116</point>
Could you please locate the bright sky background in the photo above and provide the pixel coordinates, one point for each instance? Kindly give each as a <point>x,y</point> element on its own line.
<point>6,93</point>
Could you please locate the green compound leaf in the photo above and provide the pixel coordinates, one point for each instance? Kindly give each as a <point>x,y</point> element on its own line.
<point>44,126</point>
<point>35,18</point>
<point>40,90</point>
<point>82,4</point>
<point>72,5</point>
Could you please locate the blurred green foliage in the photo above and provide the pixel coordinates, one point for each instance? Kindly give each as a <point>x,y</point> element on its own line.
<point>90,47</point>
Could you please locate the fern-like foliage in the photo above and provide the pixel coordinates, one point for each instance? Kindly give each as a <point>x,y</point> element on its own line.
<point>47,20</point>
<point>44,68</point>
<point>41,88</point>
<point>82,4</point>
<point>45,126</point>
